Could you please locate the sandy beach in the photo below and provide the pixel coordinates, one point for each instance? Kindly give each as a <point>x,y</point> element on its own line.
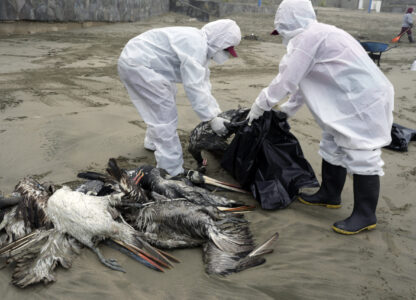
<point>64,110</point>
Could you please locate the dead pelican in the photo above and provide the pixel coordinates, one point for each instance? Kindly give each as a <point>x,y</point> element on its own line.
<point>203,138</point>
<point>179,215</point>
<point>157,180</point>
<point>135,183</point>
<point>60,221</point>
<point>119,180</point>
<point>227,242</point>
<point>88,219</point>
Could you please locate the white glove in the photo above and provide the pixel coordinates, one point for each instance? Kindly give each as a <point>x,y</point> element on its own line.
<point>255,113</point>
<point>217,125</point>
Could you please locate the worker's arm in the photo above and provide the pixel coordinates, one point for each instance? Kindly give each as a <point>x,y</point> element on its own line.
<point>195,77</point>
<point>294,103</point>
<point>294,66</point>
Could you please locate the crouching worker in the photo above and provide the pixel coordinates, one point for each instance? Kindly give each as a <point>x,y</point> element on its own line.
<point>349,97</point>
<point>152,63</point>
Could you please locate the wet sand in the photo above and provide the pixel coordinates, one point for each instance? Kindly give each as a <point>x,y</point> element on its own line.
<point>64,110</point>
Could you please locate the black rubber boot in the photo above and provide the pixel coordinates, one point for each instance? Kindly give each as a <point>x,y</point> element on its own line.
<point>410,38</point>
<point>329,194</point>
<point>363,217</point>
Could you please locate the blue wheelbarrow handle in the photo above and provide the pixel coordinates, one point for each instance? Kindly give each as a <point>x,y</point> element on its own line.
<point>389,48</point>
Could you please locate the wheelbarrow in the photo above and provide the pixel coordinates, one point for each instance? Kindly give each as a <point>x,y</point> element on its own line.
<point>375,50</point>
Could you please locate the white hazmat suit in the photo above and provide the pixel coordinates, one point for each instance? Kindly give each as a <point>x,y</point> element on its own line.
<point>152,63</point>
<point>329,71</point>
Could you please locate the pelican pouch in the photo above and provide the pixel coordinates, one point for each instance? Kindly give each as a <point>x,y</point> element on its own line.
<point>266,159</point>
<point>400,137</point>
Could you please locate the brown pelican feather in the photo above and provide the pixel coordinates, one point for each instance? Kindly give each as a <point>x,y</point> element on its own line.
<point>38,254</point>
<point>35,198</point>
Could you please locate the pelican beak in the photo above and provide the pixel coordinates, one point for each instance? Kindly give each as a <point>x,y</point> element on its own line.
<point>145,258</point>
<point>123,248</point>
<point>6,201</point>
<point>197,178</point>
<point>150,256</point>
<point>138,177</point>
<point>169,256</point>
<point>224,185</point>
<point>245,208</point>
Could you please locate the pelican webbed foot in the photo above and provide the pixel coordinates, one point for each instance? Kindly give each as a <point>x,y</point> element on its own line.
<point>110,263</point>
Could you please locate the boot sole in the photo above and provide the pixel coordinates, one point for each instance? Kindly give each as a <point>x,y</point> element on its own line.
<point>346,232</point>
<point>319,204</point>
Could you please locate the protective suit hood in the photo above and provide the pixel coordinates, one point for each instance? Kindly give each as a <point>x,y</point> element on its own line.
<point>220,35</point>
<point>292,17</point>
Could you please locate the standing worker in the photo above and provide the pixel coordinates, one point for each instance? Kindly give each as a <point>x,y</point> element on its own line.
<point>152,63</point>
<point>349,97</point>
<point>408,24</point>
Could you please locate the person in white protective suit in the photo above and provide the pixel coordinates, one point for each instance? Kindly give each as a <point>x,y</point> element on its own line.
<point>152,63</point>
<point>349,97</point>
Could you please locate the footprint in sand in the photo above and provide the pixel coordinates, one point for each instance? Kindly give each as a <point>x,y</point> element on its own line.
<point>257,86</point>
<point>130,163</point>
<point>366,253</point>
<point>391,246</point>
<point>39,177</point>
<point>8,101</point>
<point>50,145</point>
<point>10,119</point>
<point>396,210</point>
<point>409,174</point>
<point>140,124</point>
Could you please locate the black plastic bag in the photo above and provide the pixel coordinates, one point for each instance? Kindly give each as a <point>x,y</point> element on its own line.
<point>267,159</point>
<point>400,137</point>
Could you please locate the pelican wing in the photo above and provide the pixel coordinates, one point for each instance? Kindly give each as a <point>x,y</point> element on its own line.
<point>38,254</point>
<point>32,206</point>
<point>180,218</point>
<point>265,247</point>
<point>224,263</point>
<point>12,225</point>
